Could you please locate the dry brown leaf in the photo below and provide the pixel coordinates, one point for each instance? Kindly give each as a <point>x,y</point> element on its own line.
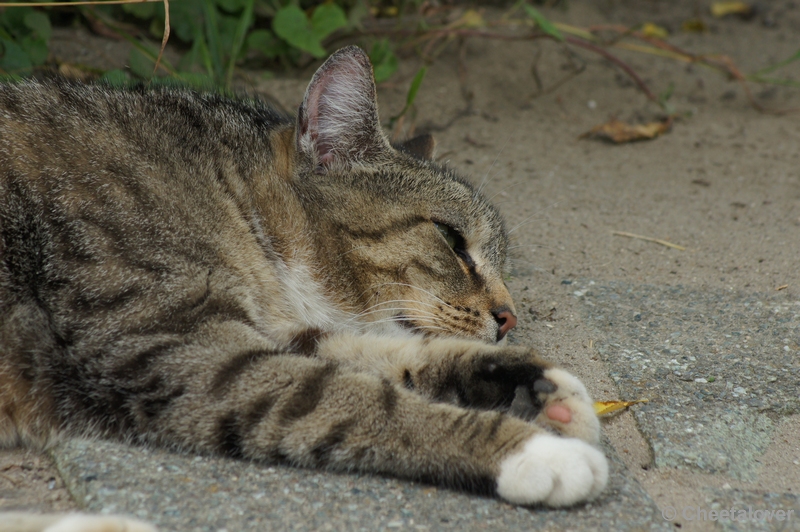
<point>602,408</point>
<point>720,9</point>
<point>694,25</point>
<point>620,132</point>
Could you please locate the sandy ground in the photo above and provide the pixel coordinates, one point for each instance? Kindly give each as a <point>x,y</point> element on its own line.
<point>724,183</point>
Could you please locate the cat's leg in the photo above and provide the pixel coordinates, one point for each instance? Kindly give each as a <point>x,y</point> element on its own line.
<point>24,522</point>
<point>223,388</point>
<point>469,373</point>
<point>224,395</point>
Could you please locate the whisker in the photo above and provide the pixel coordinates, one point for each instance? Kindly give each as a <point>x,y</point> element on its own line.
<point>530,219</point>
<point>431,316</point>
<point>489,171</point>
<point>391,301</point>
<point>416,288</point>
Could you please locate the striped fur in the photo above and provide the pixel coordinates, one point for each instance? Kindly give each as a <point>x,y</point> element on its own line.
<point>187,270</point>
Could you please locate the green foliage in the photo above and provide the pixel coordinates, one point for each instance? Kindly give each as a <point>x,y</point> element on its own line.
<point>545,25</point>
<point>306,33</point>
<point>384,62</point>
<point>216,35</point>
<point>24,33</point>
<point>413,89</point>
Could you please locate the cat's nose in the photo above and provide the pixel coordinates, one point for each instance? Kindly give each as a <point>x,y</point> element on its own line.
<point>505,319</point>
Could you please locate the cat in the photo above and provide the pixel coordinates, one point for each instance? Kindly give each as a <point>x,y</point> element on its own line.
<point>203,273</point>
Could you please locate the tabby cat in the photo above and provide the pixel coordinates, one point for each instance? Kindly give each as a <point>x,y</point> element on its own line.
<point>186,270</point>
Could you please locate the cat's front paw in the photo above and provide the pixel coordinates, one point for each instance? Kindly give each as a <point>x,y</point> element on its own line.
<point>558,401</point>
<point>98,523</point>
<point>553,471</point>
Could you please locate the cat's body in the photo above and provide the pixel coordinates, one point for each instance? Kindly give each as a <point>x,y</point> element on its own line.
<point>191,271</point>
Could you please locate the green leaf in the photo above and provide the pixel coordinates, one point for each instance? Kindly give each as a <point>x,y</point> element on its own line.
<point>292,25</point>
<point>265,42</point>
<point>14,59</point>
<point>116,77</point>
<point>414,88</point>
<point>40,24</point>
<point>544,24</point>
<point>140,64</point>
<point>36,49</point>
<point>186,20</point>
<point>326,19</point>
<point>384,62</point>
<point>14,21</point>
<point>143,11</point>
<point>232,6</point>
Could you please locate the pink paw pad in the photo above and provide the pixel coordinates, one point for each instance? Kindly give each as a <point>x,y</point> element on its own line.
<point>558,412</point>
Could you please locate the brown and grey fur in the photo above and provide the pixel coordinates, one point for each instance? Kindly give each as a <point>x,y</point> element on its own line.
<point>191,271</point>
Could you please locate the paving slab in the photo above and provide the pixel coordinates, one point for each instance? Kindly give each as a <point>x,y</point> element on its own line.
<point>718,367</point>
<point>184,493</point>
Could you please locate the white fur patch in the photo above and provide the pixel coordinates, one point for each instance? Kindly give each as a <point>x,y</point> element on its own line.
<point>553,471</point>
<point>572,394</point>
<point>308,304</point>
<point>96,523</point>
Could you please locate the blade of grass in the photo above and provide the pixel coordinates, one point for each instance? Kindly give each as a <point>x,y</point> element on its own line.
<point>411,96</point>
<point>238,39</point>
<point>774,81</point>
<point>135,43</point>
<point>776,66</point>
<point>213,39</point>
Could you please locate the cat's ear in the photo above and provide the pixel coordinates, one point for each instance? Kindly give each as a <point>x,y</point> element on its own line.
<point>421,146</point>
<point>338,121</point>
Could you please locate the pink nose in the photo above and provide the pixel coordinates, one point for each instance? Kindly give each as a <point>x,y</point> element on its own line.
<point>505,319</point>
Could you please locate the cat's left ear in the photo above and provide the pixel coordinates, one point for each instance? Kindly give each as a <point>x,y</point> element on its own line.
<point>338,121</point>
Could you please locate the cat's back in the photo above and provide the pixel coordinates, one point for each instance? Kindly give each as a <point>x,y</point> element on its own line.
<point>120,206</point>
<point>76,124</point>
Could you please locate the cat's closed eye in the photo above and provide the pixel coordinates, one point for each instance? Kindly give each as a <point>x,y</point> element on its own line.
<point>455,241</point>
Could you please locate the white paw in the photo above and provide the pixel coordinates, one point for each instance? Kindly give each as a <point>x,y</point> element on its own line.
<point>578,420</point>
<point>98,523</point>
<point>554,471</point>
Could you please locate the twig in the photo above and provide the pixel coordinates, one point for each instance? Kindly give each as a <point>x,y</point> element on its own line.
<point>617,61</point>
<point>164,39</point>
<point>448,32</point>
<point>649,239</point>
<point>721,63</point>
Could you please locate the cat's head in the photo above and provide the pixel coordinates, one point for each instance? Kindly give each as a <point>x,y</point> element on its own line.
<point>403,241</point>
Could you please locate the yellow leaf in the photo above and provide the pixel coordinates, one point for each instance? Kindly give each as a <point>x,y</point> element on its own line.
<point>651,30</point>
<point>602,408</point>
<point>620,132</point>
<point>720,9</point>
<point>470,19</point>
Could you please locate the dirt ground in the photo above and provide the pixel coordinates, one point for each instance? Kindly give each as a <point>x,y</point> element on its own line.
<point>724,183</point>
